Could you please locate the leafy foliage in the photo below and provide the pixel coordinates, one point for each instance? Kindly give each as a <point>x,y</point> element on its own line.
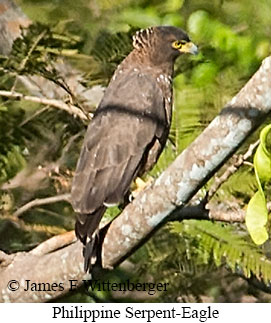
<point>37,50</point>
<point>224,244</point>
<point>11,153</point>
<point>198,252</point>
<point>108,51</point>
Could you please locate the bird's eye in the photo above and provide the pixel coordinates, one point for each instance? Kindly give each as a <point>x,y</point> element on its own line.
<point>178,44</point>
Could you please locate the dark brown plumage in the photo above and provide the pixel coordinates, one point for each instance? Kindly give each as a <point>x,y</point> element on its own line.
<point>129,129</point>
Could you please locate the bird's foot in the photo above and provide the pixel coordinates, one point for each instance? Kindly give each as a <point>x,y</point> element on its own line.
<point>141,185</point>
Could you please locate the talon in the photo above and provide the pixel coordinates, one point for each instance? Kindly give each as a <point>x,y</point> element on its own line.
<point>140,186</point>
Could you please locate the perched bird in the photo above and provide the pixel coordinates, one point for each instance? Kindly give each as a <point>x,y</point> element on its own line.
<point>129,129</point>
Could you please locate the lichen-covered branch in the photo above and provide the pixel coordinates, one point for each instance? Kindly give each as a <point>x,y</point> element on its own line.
<point>54,243</point>
<point>58,268</point>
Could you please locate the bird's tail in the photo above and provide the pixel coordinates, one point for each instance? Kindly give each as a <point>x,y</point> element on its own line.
<point>86,229</point>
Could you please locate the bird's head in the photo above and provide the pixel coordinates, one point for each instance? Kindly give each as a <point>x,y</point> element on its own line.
<point>163,44</point>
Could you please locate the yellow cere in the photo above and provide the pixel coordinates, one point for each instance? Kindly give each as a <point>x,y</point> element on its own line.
<point>178,44</point>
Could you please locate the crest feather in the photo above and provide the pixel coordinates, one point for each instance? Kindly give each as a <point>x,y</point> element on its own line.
<point>141,37</point>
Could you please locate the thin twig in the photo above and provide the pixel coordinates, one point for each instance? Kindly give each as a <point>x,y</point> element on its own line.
<point>33,116</point>
<point>68,145</point>
<point>42,201</point>
<point>231,169</point>
<point>229,211</point>
<point>71,109</point>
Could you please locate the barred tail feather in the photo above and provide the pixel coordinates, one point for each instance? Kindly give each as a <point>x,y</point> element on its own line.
<point>86,229</point>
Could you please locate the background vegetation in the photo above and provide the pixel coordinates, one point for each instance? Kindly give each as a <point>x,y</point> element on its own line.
<point>201,260</point>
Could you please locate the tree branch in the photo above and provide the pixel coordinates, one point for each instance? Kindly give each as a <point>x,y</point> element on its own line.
<point>51,263</point>
<point>225,212</point>
<point>205,209</point>
<point>71,109</point>
<point>232,169</point>
<point>54,243</point>
<point>43,201</point>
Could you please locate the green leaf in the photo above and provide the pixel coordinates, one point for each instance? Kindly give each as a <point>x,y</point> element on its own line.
<point>257,213</point>
<point>256,218</point>
<point>262,158</point>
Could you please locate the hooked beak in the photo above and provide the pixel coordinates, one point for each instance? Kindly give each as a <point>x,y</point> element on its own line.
<point>190,48</point>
